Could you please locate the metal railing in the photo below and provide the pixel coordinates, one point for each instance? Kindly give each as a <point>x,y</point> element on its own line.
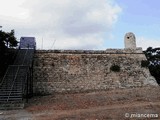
<point>17,81</point>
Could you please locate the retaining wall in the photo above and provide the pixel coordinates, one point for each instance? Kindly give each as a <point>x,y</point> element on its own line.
<point>85,70</point>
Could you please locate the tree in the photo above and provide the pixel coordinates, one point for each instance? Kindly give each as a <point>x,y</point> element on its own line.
<point>2,42</point>
<point>153,57</point>
<point>7,40</point>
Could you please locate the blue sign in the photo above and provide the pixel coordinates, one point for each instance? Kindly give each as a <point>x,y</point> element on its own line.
<point>27,43</point>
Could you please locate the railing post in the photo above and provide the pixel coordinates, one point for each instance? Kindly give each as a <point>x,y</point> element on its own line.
<point>30,82</point>
<point>27,88</point>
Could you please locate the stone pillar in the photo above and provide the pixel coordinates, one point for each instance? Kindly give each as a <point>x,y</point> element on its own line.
<point>130,41</point>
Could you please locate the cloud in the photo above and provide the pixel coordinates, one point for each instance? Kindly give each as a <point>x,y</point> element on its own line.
<point>147,42</point>
<point>74,24</point>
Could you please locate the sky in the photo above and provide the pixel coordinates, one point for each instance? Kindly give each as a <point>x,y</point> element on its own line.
<point>83,24</point>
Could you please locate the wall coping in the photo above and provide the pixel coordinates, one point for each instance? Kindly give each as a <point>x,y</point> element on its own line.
<point>107,51</point>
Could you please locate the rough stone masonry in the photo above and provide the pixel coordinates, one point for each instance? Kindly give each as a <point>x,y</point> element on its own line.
<point>89,70</point>
<point>130,41</point>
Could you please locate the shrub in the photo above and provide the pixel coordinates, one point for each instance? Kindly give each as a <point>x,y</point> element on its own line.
<point>144,63</point>
<point>115,68</point>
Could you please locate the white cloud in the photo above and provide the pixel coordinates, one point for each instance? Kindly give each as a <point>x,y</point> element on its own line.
<point>75,24</point>
<point>12,8</point>
<point>147,42</point>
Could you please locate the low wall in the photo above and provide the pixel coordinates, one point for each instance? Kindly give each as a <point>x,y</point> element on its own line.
<point>79,71</point>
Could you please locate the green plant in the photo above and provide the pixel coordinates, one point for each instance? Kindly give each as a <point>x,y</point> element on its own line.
<point>153,56</point>
<point>144,63</point>
<point>115,68</point>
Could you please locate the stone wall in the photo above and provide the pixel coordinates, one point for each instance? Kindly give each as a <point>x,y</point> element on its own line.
<point>79,71</point>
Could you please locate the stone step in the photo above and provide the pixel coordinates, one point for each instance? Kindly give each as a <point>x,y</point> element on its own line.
<point>10,98</point>
<point>5,94</point>
<point>9,87</point>
<point>12,101</point>
<point>11,106</point>
<point>10,90</point>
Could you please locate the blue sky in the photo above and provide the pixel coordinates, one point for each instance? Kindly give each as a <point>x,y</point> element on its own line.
<point>83,24</point>
<point>140,17</point>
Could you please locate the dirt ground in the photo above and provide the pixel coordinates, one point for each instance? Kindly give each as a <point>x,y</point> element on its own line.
<point>124,104</point>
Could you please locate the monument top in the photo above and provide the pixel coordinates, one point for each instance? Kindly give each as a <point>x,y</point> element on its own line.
<point>130,40</point>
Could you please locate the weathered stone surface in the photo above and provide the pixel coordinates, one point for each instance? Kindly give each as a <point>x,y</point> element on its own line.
<point>78,71</point>
<point>130,41</point>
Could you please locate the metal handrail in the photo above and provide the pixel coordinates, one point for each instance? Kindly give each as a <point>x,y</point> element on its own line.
<point>24,57</point>
<point>26,83</point>
<point>13,83</point>
<point>5,75</point>
<point>8,70</point>
<point>25,79</point>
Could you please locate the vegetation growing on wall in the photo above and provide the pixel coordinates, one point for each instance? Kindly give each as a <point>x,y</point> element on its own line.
<point>153,57</point>
<point>115,68</point>
<point>144,63</point>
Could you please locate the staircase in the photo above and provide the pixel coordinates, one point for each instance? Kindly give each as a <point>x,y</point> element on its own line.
<point>16,85</point>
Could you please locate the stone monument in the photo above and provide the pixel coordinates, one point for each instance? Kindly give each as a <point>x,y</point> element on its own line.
<point>130,41</point>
